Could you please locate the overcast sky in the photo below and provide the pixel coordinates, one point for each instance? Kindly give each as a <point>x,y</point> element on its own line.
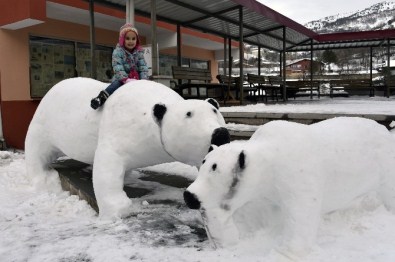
<point>309,10</point>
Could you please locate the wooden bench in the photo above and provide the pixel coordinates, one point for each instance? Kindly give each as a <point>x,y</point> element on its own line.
<point>260,84</point>
<point>233,85</point>
<point>193,80</point>
<point>296,88</point>
<point>389,85</point>
<point>351,86</point>
<point>303,88</point>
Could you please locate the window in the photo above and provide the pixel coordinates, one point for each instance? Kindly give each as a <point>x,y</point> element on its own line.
<point>52,60</point>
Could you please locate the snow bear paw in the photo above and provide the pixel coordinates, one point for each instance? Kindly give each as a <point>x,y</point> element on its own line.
<point>116,207</point>
<point>49,181</point>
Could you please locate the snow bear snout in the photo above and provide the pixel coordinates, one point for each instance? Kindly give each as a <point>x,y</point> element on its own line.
<point>220,136</point>
<point>191,200</point>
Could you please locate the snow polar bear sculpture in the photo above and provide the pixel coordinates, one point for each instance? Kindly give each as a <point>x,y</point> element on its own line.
<point>287,175</point>
<point>144,123</point>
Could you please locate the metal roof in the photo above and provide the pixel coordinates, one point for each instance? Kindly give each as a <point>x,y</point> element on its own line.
<point>261,26</point>
<point>343,40</point>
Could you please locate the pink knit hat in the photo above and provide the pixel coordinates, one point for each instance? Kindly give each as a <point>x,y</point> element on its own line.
<point>124,30</point>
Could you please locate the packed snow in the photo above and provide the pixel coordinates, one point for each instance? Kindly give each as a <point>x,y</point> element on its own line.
<point>264,188</point>
<point>139,126</point>
<point>42,226</point>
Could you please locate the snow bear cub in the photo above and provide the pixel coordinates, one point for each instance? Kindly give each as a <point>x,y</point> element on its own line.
<point>143,123</point>
<point>287,175</point>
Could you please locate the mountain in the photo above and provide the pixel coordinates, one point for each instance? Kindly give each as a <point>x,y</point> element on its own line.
<point>376,17</point>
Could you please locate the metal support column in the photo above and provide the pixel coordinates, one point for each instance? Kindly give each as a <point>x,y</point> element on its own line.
<point>179,43</point>
<point>284,59</point>
<point>225,58</point>
<point>388,74</point>
<point>130,11</point>
<point>371,64</point>
<point>230,56</point>
<point>154,42</point>
<point>241,54</point>
<point>92,39</point>
<point>311,68</point>
<point>311,60</point>
<point>259,60</point>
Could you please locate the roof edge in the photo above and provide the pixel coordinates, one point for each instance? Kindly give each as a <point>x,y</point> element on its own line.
<point>363,35</point>
<point>275,16</point>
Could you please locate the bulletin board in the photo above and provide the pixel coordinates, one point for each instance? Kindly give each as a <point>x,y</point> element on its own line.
<point>148,57</point>
<point>53,60</point>
<point>50,62</point>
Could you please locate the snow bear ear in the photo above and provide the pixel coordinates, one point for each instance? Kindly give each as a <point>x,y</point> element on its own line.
<point>159,111</point>
<point>213,102</point>
<point>242,160</point>
<point>211,148</point>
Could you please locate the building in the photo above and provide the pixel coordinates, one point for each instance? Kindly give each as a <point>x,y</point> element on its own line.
<point>302,67</point>
<point>45,41</point>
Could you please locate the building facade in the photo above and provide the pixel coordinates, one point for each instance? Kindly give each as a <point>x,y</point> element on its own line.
<point>43,42</point>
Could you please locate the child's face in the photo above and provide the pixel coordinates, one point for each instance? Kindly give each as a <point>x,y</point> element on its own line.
<point>130,40</point>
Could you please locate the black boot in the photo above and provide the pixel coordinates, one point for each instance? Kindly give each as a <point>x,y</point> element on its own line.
<point>99,100</point>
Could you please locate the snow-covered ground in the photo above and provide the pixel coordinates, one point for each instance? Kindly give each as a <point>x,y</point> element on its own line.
<point>41,226</point>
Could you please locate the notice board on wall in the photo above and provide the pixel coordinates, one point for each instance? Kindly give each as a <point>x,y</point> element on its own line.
<point>148,57</point>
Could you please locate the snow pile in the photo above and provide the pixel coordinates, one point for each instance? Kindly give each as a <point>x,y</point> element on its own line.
<point>41,226</point>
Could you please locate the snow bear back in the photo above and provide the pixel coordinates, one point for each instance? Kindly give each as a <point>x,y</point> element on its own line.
<point>66,119</point>
<point>348,156</point>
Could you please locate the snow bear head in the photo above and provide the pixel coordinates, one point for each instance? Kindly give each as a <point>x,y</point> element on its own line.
<point>189,127</point>
<point>216,191</point>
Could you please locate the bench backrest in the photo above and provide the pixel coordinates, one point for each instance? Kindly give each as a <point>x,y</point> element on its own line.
<point>190,74</point>
<point>223,79</point>
<point>351,83</point>
<point>275,80</point>
<point>255,79</point>
<point>390,81</point>
<point>303,83</point>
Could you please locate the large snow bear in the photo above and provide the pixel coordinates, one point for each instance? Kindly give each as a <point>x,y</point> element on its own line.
<point>143,123</point>
<point>287,175</point>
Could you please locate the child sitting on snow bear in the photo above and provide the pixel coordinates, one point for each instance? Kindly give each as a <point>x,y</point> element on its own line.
<point>127,61</point>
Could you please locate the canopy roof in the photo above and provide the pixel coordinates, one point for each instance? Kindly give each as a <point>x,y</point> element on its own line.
<point>261,26</point>
<point>349,40</point>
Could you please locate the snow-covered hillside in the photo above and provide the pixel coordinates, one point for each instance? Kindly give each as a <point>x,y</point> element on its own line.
<point>376,17</point>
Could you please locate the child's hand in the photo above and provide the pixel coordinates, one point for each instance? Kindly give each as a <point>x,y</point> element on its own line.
<point>134,75</point>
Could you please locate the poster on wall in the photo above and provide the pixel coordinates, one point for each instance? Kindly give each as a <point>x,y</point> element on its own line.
<point>53,60</point>
<point>50,62</point>
<point>148,57</point>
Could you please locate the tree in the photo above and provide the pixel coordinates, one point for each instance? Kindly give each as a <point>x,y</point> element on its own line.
<point>328,56</point>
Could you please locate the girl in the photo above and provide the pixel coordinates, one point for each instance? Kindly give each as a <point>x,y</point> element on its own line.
<point>128,63</point>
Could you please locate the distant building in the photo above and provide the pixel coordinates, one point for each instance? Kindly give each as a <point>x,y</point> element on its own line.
<point>301,67</point>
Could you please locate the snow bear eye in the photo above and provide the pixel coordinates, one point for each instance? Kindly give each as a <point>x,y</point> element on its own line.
<point>214,110</point>
<point>189,114</point>
<point>214,166</point>
<point>204,161</point>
